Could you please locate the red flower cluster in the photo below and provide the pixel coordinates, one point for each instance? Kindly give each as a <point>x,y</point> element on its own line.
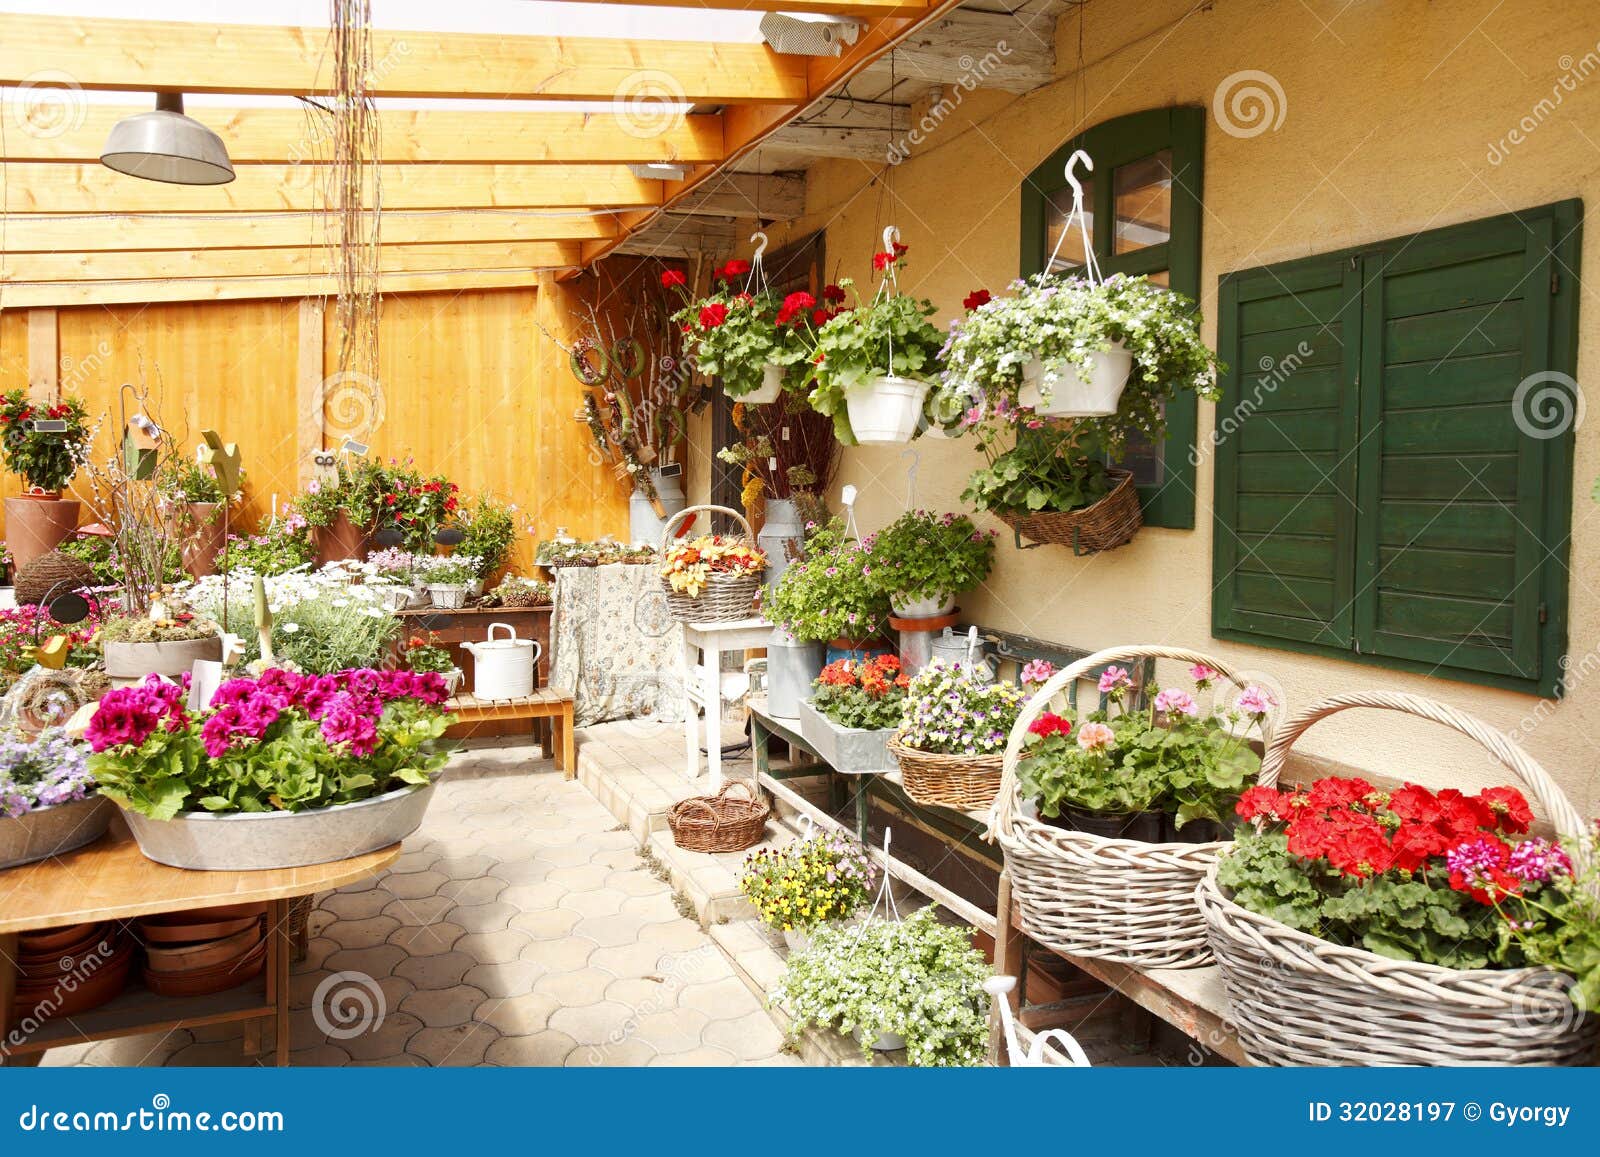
<point>713,315</point>
<point>794,305</point>
<point>976,298</point>
<point>1050,724</point>
<point>673,279</point>
<point>833,293</point>
<point>874,676</point>
<point>1364,832</point>
<point>735,268</point>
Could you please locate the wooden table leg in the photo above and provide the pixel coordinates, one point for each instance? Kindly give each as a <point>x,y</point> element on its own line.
<point>278,965</point>
<point>569,743</point>
<point>8,990</point>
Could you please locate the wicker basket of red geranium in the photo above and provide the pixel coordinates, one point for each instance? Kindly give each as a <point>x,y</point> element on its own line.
<point>1358,926</point>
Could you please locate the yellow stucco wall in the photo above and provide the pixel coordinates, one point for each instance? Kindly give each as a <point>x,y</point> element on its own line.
<point>1390,113</point>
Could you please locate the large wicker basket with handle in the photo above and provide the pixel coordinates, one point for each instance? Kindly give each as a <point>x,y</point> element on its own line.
<point>726,598</point>
<point>1299,1000</point>
<point>1104,525</point>
<point>1120,900</point>
<point>721,822</point>
<point>964,782</point>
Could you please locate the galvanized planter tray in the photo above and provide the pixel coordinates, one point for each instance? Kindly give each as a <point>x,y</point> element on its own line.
<point>852,750</point>
<point>252,841</point>
<point>50,831</point>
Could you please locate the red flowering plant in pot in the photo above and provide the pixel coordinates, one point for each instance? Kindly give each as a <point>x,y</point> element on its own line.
<point>1440,877</point>
<point>743,333</point>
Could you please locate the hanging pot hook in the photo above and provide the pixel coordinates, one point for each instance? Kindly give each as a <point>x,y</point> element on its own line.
<point>891,235</point>
<point>911,475</point>
<point>1072,178</point>
<point>759,240</point>
<point>756,281</point>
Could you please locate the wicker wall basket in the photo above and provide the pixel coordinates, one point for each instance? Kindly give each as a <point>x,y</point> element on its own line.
<point>1299,1000</point>
<point>726,598</point>
<point>721,822</point>
<point>967,783</point>
<point>1106,525</point>
<point>1088,895</point>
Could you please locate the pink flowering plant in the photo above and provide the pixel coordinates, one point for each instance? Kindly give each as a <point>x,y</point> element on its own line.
<point>281,741</point>
<point>922,555</point>
<point>952,709</point>
<point>831,593</point>
<point>1159,752</point>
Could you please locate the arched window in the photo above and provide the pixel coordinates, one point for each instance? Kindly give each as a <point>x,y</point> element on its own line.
<point>1144,212</point>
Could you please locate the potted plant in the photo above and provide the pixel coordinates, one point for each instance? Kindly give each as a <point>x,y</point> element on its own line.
<point>953,733</point>
<point>807,883</point>
<point>871,364</point>
<point>48,802</point>
<point>855,706</point>
<point>1419,926</point>
<point>39,519</point>
<point>394,571</point>
<point>320,623</point>
<point>1114,351</point>
<point>1120,772</point>
<point>488,530</point>
<point>425,653</point>
<point>916,983</point>
<point>280,771</point>
<point>196,495</point>
<point>448,579</point>
<point>745,338</point>
<point>830,594</point>
<point>925,560</point>
<point>712,578</point>
<point>166,641</point>
<point>516,591</point>
<point>341,507</point>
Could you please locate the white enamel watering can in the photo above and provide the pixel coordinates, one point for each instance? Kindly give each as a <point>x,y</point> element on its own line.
<point>503,667</point>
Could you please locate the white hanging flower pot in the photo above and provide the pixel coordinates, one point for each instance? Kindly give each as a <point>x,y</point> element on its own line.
<point>769,389</point>
<point>886,409</point>
<point>1074,395</point>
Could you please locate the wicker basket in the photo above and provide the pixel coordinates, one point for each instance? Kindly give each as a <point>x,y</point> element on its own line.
<point>726,598</point>
<point>1105,525</point>
<point>1300,1000</point>
<point>967,783</point>
<point>1125,901</point>
<point>721,822</point>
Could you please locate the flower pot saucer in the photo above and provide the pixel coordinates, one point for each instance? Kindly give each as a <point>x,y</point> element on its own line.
<point>932,623</point>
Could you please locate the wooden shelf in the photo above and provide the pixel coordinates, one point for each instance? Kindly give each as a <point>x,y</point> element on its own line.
<point>137,1010</point>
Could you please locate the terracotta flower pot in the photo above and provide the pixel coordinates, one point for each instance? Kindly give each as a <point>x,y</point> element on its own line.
<point>340,539</point>
<point>204,538</point>
<point>38,523</point>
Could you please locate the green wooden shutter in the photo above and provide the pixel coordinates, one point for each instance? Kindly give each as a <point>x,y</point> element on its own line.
<point>1452,537</point>
<point>1285,453</point>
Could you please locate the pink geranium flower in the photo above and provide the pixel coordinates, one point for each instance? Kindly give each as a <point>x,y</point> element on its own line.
<point>1114,681</point>
<point>1096,737</point>
<point>1177,703</point>
<point>1256,701</point>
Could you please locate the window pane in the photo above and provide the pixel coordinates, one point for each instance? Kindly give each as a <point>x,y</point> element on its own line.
<point>1057,206</point>
<point>1144,202</point>
<point>1145,458</point>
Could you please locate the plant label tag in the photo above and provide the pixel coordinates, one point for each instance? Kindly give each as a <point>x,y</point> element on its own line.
<point>49,426</point>
<point>784,434</point>
<point>351,446</point>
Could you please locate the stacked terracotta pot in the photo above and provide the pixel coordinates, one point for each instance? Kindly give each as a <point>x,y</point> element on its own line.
<point>202,951</point>
<point>66,971</point>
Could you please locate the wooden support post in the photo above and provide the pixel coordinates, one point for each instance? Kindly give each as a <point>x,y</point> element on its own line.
<point>278,947</point>
<point>8,991</point>
<point>44,356</point>
<point>310,387</point>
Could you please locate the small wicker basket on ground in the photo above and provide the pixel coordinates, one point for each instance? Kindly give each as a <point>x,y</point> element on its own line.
<point>966,783</point>
<point>1105,525</point>
<point>726,598</point>
<point>1125,901</point>
<point>1296,999</point>
<point>721,822</point>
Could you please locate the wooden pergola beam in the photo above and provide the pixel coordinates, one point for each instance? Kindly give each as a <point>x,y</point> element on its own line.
<point>67,294</point>
<point>306,260</point>
<point>864,9</point>
<point>64,188</point>
<point>148,55</point>
<point>288,136</point>
<point>39,233</point>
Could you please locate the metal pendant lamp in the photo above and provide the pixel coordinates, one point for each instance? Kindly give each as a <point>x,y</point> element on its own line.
<point>165,145</point>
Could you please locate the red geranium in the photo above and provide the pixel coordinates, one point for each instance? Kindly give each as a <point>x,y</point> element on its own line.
<point>673,279</point>
<point>1510,808</point>
<point>735,268</point>
<point>976,298</point>
<point>831,292</point>
<point>713,315</point>
<point>1049,724</point>
<point>882,261</point>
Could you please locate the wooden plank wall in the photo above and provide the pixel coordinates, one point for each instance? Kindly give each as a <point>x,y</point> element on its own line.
<point>469,387</point>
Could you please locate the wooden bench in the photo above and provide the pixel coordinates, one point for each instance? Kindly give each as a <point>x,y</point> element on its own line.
<point>550,703</point>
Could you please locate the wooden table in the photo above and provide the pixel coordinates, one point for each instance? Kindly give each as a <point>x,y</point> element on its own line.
<point>549,704</point>
<point>111,880</point>
<point>703,645</point>
<point>471,625</point>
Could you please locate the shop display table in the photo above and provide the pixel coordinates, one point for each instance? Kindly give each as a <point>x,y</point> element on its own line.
<point>110,880</point>
<point>703,645</point>
<point>616,646</point>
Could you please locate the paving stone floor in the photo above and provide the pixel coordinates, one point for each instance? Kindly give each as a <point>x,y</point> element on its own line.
<point>520,927</point>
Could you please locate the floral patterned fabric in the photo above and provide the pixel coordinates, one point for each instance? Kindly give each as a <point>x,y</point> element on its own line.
<point>616,646</point>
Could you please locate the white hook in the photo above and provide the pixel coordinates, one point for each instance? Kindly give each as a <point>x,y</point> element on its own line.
<point>759,240</point>
<point>891,235</point>
<point>1072,178</point>
<point>911,475</point>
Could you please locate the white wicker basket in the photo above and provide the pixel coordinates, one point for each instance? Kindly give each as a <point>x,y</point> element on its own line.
<point>1299,1000</point>
<point>1088,895</point>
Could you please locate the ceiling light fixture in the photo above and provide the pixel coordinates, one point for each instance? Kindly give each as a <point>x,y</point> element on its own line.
<point>808,34</point>
<point>165,145</point>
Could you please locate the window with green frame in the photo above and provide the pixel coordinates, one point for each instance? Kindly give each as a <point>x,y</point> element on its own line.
<point>1144,212</point>
<point>1394,451</point>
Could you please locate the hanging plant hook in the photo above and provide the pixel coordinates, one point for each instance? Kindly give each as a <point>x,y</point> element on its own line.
<point>757,279</point>
<point>1077,216</point>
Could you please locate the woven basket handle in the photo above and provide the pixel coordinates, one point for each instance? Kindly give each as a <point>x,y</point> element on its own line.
<point>1565,818</point>
<point>688,512</point>
<point>1009,800</point>
<point>749,792</point>
<point>700,802</point>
